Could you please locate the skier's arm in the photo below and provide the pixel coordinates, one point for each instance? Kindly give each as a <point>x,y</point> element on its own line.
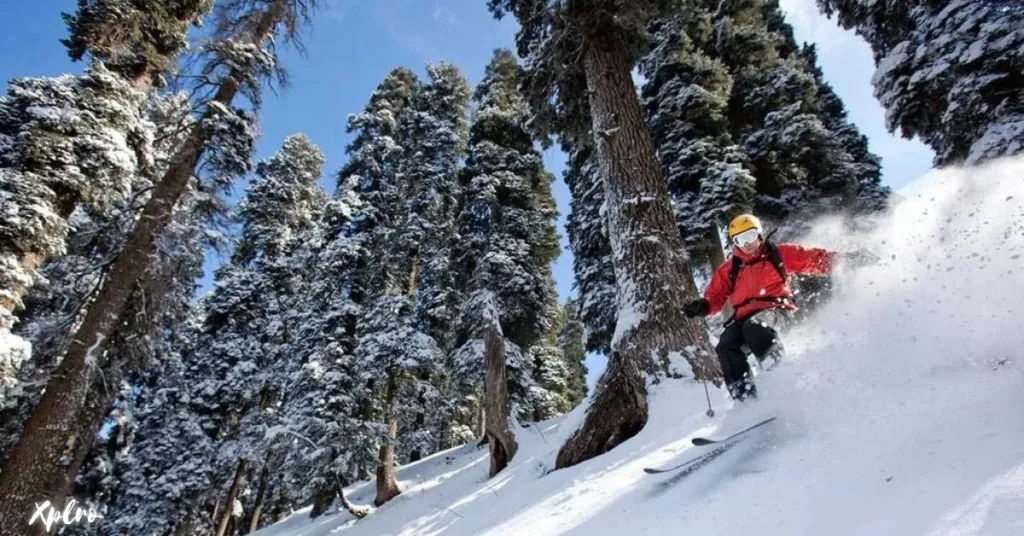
<point>717,292</point>
<point>803,260</point>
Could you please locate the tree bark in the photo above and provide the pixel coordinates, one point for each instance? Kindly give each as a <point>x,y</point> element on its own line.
<point>716,254</point>
<point>98,404</point>
<point>650,263</point>
<point>257,508</point>
<point>481,416</point>
<point>229,503</point>
<point>501,439</point>
<point>387,482</point>
<point>40,463</point>
<point>215,515</point>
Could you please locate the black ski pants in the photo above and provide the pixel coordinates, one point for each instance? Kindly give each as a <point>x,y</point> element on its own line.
<point>759,332</point>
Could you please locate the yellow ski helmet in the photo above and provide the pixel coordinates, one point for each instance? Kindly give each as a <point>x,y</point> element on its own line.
<point>744,222</point>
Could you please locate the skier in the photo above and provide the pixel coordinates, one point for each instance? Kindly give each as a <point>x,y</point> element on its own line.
<point>755,281</point>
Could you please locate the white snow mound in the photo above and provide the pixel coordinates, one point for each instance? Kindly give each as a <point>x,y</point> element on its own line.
<point>900,409</point>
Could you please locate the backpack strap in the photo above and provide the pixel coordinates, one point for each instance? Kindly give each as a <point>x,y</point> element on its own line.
<point>734,272</point>
<point>776,260</point>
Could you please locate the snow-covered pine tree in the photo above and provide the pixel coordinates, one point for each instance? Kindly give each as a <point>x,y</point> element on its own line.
<point>72,140</point>
<point>948,72</point>
<point>577,49</point>
<point>167,465</point>
<point>686,101</point>
<point>54,307</point>
<point>138,39</point>
<point>281,202</point>
<point>144,348</point>
<point>862,165</point>
<point>234,358</point>
<point>320,438</point>
<point>507,242</point>
<point>800,167</point>
<point>571,340</point>
<point>63,141</point>
<point>586,225</point>
<point>550,386</point>
<point>340,403</point>
<point>405,330</point>
<point>872,195</point>
<point>437,133</point>
<point>241,58</point>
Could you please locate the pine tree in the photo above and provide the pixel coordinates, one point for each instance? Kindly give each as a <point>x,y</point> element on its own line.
<point>281,202</point>
<point>63,141</point>
<point>549,395</point>
<point>138,39</point>
<point>54,307</point>
<point>239,64</point>
<point>320,437</point>
<point>405,328</point>
<point>72,140</point>
<point>686,99</point>
<point>858,162</point>
<point>571,341</point>
<point>592,46</point>
<point>437,133</point>
<point>593,268</point>
<point>800,166</point>
<point>167,466</point>
<point>866,166</point>
<point>372,174</point>
<point>947,72</point>
<point>507,244</point>
<point>233,375</point>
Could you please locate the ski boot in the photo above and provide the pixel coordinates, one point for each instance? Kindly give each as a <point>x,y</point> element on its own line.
<point>743,389</point>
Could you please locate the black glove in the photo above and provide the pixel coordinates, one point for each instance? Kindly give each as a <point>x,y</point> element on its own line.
<point>694,308</point>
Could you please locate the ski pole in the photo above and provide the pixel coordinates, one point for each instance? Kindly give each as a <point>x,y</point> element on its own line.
<point>710,412</point>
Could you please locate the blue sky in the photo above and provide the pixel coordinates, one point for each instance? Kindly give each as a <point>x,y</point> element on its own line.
<point>354,43</point>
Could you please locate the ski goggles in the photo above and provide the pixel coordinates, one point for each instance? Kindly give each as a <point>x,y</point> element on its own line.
<point>746,237</point>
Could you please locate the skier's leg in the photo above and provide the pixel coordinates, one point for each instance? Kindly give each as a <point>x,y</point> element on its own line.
<point>732,359</point>
<point>761,331</point>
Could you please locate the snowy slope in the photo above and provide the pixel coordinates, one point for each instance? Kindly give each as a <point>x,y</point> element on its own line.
<point>900,410</point>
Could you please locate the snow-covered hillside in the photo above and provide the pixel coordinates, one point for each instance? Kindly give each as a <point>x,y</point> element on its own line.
<point>900,410</point>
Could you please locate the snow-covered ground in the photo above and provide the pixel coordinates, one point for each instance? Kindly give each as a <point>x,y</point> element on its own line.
<point>900,410</point>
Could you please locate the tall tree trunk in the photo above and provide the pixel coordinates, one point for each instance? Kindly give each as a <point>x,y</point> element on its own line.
<point>257,508</point>
<point>481,416</point>
<point>387,481</point>
<point>215,515</point>
<point>500,438</point>
<point>98,404</point>
<point>650,263</point>
<point>38,467</point>
<point>716,253</point>
<point>229,503</point>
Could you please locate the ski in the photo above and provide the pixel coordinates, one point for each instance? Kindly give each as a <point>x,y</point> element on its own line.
<point>694,463</point>
<point>701,441</point>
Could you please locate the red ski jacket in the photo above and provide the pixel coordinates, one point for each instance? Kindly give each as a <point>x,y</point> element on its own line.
<point>758,284</point>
